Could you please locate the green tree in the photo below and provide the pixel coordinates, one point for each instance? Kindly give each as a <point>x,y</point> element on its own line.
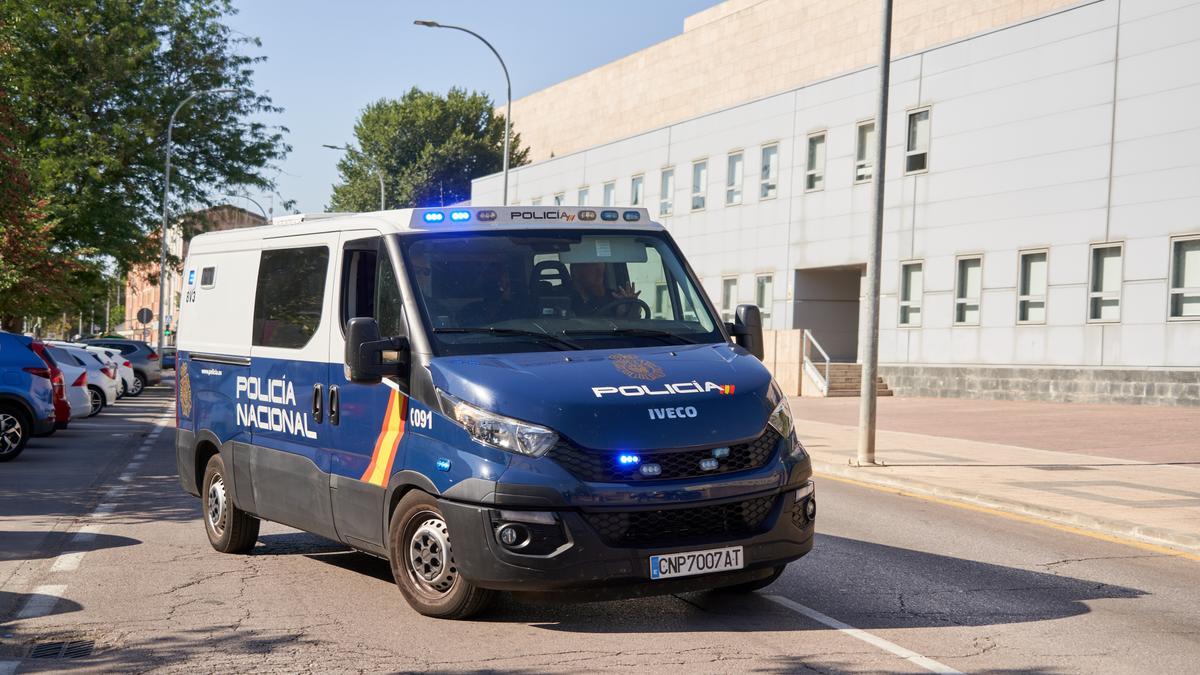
<point>428,147</point>
<point>92,84</point>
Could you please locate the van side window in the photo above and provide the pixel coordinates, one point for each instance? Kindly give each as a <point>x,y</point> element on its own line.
<point>389,306</point>
<point>358,279</point>
<point>288,300</point>
<point>208,277</point>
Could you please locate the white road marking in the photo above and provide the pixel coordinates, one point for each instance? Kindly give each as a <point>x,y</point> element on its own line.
<point>845,628</point>
<point>42,601</point>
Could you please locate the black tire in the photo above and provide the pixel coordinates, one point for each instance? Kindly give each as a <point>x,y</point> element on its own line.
<point>139,385</point>
<point>751,586</point>
<point>96,395</point>
<point>418,531</point>
<point>229,529</point>
<point>15,430</point>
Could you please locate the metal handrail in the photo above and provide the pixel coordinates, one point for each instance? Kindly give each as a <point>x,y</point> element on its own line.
<point>822,379</point>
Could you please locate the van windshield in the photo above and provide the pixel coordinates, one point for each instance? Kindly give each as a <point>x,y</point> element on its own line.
<point>554,290</point>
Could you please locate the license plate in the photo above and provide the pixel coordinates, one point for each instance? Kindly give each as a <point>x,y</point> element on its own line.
<point>696,562</point>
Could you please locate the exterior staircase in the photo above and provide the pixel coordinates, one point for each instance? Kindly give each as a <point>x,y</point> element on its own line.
<point>822,377</point>
<point>845,379</point>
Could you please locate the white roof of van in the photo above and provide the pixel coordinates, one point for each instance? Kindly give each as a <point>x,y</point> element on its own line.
<point>444,219</point>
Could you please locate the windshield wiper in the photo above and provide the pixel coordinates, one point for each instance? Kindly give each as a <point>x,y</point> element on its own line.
<point>517,332</point>
<point>636,332</point>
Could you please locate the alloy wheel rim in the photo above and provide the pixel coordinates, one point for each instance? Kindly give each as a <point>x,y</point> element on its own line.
<point>96,401</point>
<point>215,513</point>
<point>10,433</point>
<point>137,386</point>
<point>431,564</point>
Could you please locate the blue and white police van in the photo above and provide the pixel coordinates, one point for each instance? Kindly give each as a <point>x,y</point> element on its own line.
<point>526,399</point>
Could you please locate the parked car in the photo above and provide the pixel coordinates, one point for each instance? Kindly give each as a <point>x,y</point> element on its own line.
<point>168,357</point>
<point>102,381</point>
<point>147,367</point>
<point>75,381</point>
<point>62,408</point>
<point>26,395</point>
<point>122,364</point>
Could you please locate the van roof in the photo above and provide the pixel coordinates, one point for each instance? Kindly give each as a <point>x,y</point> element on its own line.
<point>445,219</point>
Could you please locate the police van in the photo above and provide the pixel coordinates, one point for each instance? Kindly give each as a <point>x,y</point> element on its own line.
<point>528,399</point>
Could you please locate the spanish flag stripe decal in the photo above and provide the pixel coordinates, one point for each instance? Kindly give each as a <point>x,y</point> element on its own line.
<point>390,434</point>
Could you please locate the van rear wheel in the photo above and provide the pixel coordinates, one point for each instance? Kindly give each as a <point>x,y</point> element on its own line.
<point>423,564</point>
<point>230,529</point>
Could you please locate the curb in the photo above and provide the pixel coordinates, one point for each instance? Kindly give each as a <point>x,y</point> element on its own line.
<point>1184,542</point>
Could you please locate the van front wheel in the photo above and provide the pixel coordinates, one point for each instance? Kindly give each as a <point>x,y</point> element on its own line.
<point>230,529</point>
<point>423,562</point>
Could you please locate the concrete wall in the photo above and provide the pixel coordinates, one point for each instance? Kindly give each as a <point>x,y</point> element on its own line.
<point>827,303</point>
<point>753,48</point>
<point>1055,134</point>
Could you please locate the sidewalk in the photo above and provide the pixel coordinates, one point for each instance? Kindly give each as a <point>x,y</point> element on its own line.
<point>1131,472</point>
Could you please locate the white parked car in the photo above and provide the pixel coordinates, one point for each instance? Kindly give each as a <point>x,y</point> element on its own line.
<point>122,364</point>
<point>102,379</point>
<point>75,381</point>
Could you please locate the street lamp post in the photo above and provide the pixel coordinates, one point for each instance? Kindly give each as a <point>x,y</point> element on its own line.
<point>247,198</point>
<point>378,171</point>
<point>508,84</point>
<point>162,253</point>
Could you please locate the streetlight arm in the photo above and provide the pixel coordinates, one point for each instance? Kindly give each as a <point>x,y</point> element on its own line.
<point>508,90</point>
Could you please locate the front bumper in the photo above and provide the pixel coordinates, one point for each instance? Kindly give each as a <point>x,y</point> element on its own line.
<point>589,566</point>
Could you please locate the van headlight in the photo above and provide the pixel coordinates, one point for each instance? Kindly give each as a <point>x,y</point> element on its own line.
<point>781,418</point>
<point>498,431</point>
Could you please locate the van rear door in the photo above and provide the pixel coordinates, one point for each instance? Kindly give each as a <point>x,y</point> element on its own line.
<point>283,398</point>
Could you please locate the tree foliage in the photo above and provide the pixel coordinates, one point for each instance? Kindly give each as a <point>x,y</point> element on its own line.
<point>91,85</point>
<point>428,147</point>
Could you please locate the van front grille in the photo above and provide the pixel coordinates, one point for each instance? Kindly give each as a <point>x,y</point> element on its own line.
<point>597,466</point>
<point>679,526</point>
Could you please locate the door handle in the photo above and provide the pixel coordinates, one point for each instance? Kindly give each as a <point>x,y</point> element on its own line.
<point>318,397</point>
<point>335,399</point>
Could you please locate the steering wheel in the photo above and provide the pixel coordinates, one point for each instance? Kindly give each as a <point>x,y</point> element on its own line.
<point>643,308</point>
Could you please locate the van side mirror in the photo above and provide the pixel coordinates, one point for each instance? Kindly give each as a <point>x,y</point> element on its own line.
<point>369,358</point>
<point>747,329</point>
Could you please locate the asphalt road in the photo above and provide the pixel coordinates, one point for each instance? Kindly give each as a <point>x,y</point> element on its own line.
<point>98,543</point>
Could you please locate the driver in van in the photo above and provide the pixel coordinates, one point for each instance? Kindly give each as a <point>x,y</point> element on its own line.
<point>593,298</point>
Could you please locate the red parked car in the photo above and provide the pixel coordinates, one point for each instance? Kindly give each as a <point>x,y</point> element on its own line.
<point>62,409</point>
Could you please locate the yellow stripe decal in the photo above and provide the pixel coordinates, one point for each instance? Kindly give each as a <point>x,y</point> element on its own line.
<point>390,434</point>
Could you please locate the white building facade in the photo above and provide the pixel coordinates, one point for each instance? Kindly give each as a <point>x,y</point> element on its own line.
<point>1042,215</point>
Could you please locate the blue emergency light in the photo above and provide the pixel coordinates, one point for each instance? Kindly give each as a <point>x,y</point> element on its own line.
<point>460,216</point>
<point>434,217</point>
<point>626,459</point>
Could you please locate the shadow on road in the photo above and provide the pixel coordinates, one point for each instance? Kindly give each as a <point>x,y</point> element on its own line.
<point>11,603</point>
<point>35,545</point>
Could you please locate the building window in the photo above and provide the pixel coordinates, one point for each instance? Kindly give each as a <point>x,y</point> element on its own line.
<point>769,174</point>
<point>610,194</point>
<point>1185,278</point>
<point>1104,294</point>
<point>912,285</point>
<point>560,199</point>
<point>581,197</point>
<point>1031,298</point>
<point>636,188</point>
<point>666,192</point>
<point>916,155</point>
<point>733,179</point>
<point>864,154</point>
<point>815,176</point>
<point>699,183</point>
<point>967,291</point>
<point>728,298</point>
<point>763,294</point>
<point>537,201</point>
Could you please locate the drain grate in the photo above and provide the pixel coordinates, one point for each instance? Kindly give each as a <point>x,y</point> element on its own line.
<point>74,649</point>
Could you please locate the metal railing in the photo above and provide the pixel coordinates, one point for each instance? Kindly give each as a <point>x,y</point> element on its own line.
<point>818,376</point>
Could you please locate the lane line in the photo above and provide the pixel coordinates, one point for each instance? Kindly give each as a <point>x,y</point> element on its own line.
<point>42,601</point>
<point>1133,543</point>
<point>69,562</point>
<point>858,634</point>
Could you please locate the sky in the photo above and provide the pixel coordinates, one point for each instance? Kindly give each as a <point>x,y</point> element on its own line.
<point>327,60</point>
